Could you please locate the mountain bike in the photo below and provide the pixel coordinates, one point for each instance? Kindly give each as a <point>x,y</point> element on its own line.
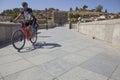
<point>19,37</point>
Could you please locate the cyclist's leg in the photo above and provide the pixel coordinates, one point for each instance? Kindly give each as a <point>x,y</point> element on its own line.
<point>31,29</point>
<point>27,26</point>
<point>34,27</point>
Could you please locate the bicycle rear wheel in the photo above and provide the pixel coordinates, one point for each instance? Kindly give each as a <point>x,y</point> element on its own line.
<point>18,40</point>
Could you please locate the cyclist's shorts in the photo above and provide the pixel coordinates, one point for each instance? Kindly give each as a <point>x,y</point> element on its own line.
<point>27,23</point>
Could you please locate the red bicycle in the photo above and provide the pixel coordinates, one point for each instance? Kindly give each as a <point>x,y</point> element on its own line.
<point>19,37</point>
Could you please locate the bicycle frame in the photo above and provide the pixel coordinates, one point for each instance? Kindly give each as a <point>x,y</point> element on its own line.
<point>24,28</point>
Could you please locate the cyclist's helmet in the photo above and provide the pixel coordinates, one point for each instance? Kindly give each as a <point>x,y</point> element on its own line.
<point>24,4</point>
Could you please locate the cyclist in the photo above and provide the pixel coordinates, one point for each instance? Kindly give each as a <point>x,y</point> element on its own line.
<point>30,19</point>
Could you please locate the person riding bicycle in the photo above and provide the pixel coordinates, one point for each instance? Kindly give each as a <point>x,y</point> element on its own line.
<point>30,19</point>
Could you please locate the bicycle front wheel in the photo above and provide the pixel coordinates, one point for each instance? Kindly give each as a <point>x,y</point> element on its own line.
<point>34,39</point>
<point>18,40</point>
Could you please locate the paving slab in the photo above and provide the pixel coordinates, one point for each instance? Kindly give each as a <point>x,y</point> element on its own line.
<point>29,51</point>
<point>46,47</point>
<point>103,64</point>
<point>29,54</point>
<point>42,58</point>
<point>112,79</point>
<point>9,58</point>
<point>116,74</point>
<point>30,74</point>
<point>13,67</point>
<point>0,76</point>
<point>6,51</point>
<point>81,74</point>
<point>74,59</point>
<point>95,49</point>
<point>56,67</point>
<point>58,53</point>
<point>87,53</point>
<point>70,49</point>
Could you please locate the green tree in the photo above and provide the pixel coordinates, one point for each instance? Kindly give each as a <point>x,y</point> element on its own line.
<point>71,9</point>
<point>116,16</point>
<point>106,11</point>
<point>99,8</point>
<point>85,16</point>
<point>76,16</point>
<point>13,16</point>
<point>71,15</point>
<point>77,9</point>
<point>84,7</point>
<point>93,10</point>
<point>16,10</point>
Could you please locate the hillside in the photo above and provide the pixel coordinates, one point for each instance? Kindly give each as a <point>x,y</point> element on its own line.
<point>10,14</point>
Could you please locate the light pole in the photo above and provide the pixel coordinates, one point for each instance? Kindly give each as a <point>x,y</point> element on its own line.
<point>46,18</point>
<point>70,23</point>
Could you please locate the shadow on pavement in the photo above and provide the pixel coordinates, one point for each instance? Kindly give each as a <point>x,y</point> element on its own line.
<point>40,45</point>
<point>44,36</point>
<point>46,45</point>
<point>38,32</point>
<point>5,44</point>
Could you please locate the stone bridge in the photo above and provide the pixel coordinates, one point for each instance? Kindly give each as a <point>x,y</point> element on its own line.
<point>60,54</point>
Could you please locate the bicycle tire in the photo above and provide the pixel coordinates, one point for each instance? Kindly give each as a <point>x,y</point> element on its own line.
<point>18,36</point>
<point>34,39</point>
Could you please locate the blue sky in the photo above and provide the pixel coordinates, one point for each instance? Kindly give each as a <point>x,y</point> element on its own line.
<point>111,5</point>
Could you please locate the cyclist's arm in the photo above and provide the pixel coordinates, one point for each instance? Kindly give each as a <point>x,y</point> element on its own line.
<point>20,14</point>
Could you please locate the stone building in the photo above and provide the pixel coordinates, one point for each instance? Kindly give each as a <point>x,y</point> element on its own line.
<point>60,17</point>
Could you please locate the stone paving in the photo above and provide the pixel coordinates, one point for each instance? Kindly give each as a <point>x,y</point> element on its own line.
<point>60,54</point>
